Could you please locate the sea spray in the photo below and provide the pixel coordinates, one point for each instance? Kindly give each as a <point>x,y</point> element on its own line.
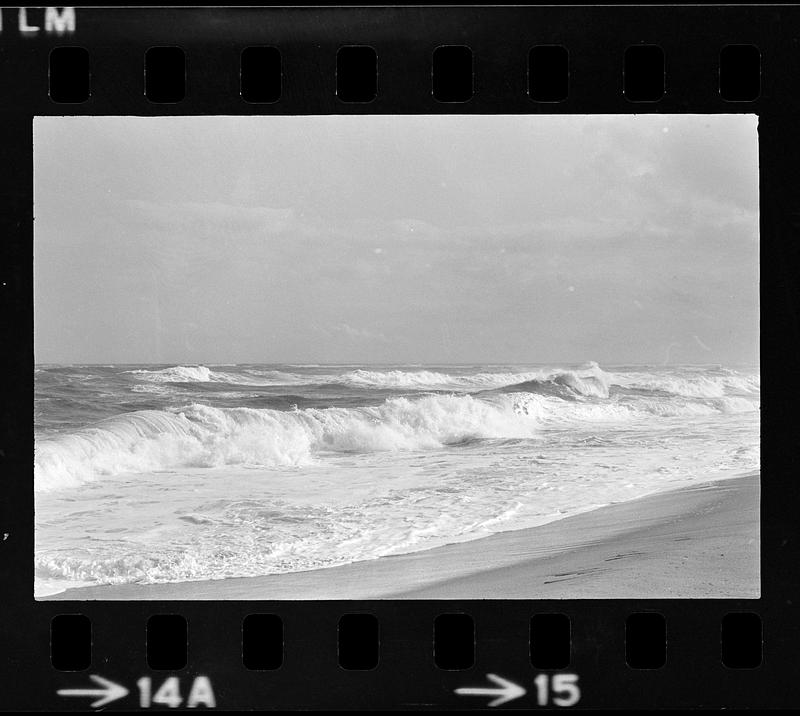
<point>200,435</point>
<point>204,436</point>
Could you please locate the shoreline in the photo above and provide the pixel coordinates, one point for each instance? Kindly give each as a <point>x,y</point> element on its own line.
<point>700,541</point>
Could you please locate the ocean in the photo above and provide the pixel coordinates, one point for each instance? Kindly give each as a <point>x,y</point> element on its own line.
<point>169,473</point>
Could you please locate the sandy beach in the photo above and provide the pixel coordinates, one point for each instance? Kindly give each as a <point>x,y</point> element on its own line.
<point>694,542</point>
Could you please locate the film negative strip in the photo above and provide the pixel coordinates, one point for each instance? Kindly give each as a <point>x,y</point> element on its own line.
<point>399,357</point>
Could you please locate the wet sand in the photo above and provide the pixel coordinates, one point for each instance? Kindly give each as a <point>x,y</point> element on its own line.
<point>700,541</point>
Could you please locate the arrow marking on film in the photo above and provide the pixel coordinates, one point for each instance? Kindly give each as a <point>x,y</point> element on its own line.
<point>110,691</point>
<point>507,692</point>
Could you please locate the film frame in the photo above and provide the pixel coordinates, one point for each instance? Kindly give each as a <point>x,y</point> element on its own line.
<point>406,676</point>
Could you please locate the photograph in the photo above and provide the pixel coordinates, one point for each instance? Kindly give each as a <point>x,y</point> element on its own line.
<point>458,356</point>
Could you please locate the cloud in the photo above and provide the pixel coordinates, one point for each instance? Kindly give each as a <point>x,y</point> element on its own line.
<point>314,238</point>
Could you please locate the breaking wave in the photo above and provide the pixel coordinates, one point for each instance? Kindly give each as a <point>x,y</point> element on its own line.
<point>202,374</point>
<point>176,374</point>
<point>590,379</point>
<point>200,435</point>
<point>700,386</point>
<point>204,436</point>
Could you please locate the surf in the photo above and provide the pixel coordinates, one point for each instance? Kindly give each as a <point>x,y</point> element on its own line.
<point>200,435</point>
<point>589,379</point>
<point>203,374</point>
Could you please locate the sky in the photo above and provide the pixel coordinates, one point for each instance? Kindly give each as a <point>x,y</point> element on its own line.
<point>396,239</point>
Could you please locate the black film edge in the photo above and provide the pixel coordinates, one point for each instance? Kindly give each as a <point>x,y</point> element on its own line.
<point>399,653</point>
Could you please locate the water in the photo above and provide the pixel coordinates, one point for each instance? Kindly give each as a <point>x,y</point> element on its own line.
<point>171,473</point>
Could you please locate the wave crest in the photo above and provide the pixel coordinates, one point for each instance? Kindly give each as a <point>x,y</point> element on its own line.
<point>204,436</point>
<point>699,386</point>
<point>202,374</point>
<point>176,374</point>
<point>589,379</point>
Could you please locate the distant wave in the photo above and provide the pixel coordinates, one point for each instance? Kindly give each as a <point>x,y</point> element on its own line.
<point>590,379</point>
<point>175,374</point>
<point>426,379</point>
<point>202,374</point>
<point>558,411</point>
<point>700,386</point>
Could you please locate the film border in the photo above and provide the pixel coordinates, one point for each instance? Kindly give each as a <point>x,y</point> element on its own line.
<point>404,38</point>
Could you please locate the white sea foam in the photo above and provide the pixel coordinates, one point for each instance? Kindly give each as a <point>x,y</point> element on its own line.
<point>699,386</point>
<point>203,374</point>
<point>553,411</point>
<point>204,436</point>
<point>429,379</point>
<point>173,496</point>
<point>176,374</point>
<point>590,379</point>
